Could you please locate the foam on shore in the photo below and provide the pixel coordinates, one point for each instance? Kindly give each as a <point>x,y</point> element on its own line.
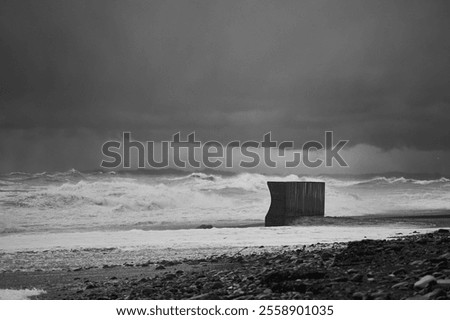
<point>201,238</point>
<point>24,294</point>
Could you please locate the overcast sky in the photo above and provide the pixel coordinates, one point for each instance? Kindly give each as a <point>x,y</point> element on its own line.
<point>76,73</point>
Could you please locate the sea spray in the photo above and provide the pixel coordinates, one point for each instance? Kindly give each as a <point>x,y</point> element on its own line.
<point>80,201</point>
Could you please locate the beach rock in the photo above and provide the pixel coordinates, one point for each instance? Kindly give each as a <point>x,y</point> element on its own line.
<point>147,292</point>
<point>357,278</point>
<point>287,286</point>
<point>169,263</point>
<point>380,295</point>
<point>425,282</point>
<point>90,286</point>
<point>444,283</point>
<point>217,285</point>
<point>310,275</point>
<point>205,226</point>
<point>401,285</point>
<point>443,231</point>
<point>418,297</point>
<point>358,296</point>
<point>143,280</point>
<point>160,267</point>
<point>327,256</point>
<point>444,256</point>
<point>238,292</point>
<point>276,276</point>
<point>170,276</point>
<point>113,296</point>
<point>434,294</point>
<point>422,241</point>
<point>442,265</point>
<point>400,271</point>
<point>339,279</point>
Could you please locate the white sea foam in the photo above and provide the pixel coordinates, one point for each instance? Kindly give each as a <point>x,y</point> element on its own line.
<point>24,294</point>
<point>74,201</point>
<point>201,238</point>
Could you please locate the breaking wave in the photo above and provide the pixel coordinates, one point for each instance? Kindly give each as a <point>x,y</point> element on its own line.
<point>74,200</point>
<point>402,180</point>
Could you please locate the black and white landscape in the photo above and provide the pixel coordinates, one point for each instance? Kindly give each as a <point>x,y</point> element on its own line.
<point>75,75</point>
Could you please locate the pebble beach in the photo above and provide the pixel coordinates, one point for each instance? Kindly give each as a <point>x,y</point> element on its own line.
<point>405,267</point>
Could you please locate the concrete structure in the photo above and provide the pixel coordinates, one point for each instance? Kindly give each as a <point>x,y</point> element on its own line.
<point>294,200</point>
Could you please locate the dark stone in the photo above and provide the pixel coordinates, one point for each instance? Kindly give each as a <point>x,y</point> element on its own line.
<point>170,276</point>
<point>311,275</point>
<point>148,292</point>
<point>445,256</point>
<point>287,286</point>
<point>113,296</point>
<point>442,265</point>
<point>217,285</point>
<point>339,279</point>
<point>205,296</point>
<point>357,278</point>
<point>205,226</point>
<point>422,241</point>
<point>435,294</point>
<point>401,285</point>
<point>400,272</point>
<point>358,296</point>
<point>90,286</point>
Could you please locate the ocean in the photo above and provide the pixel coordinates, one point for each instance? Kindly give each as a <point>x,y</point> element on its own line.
<point>135,211</point>
<point>75,201</point>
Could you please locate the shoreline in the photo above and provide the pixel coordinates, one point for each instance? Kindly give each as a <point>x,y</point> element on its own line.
<point>366,269</point>
<point>74,239</point>
<point>51,252</point>
<point>432,218</point>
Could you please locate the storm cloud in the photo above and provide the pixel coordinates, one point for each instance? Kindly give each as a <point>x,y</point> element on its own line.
<point>74,73</point>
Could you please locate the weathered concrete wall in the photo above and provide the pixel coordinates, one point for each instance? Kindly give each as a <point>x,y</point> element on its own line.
<point>293,200</point>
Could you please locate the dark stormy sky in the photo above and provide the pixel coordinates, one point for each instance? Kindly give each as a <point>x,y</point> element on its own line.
<point>76,73</point>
